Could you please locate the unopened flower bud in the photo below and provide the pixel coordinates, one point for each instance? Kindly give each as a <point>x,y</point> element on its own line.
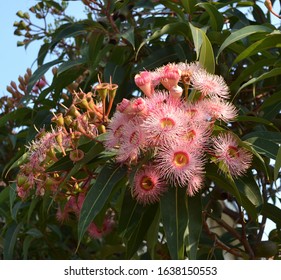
<point>123,105</point>
<point>176,92</point>
<point>143,81</point>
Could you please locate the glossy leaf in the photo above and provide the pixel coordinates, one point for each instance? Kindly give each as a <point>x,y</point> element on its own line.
<point>194,228</point>
<point>98,195</point>
<point>225,183</point>
<point>242,33</point>
<point>203,49</point>
<point>248,188</point>
<point>277,165</point>
<point>263,146</point>
<point>270,41</point>
<point>20,115</point>
<point>272,73</point>
<point>140,230</point>
<point>272,212</point>
<point>189,6</point>
<point>10,240</point>
<point>216,18</point>
<point>37,75</point>
<point>174,218</point>
<point>180,28</point>
<point>129,36</point>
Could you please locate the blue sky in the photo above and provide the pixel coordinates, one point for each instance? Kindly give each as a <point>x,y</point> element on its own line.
<point>15,60</point>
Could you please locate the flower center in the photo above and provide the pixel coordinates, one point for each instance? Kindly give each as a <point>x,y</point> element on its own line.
<point>146,183</point>
<point>180,159</point>
<point>167,123</point>
<point>233,152</point>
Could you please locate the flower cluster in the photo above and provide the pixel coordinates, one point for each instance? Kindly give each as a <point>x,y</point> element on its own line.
<point>169,134</point>
<point>38,174</point>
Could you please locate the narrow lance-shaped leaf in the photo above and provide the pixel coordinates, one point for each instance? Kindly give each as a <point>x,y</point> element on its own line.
<point>174,218</point>
<point>270,41</point>
<point>98,195</point>
<point>172,28</point>
<point>203,49</point>
<point>269,74</point>
<point>194,225</point>
<point>216,18</point>
<point>272,212</point>
<point>140,230</point>
<point>10,240</point>
<point>277,165</point>
<point>40,72</point>
<point>243,33</point>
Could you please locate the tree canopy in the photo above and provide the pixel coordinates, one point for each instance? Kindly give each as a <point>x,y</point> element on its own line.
<point>153,132</point>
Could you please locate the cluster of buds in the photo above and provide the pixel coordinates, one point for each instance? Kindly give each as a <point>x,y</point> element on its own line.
<point>85,117</point>
<point>169,134</point>
<point>21,89</point>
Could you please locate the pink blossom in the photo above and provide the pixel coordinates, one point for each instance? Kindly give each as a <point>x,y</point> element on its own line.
<point>216,108</point>
<point>115,129</point>
<point>131,142</point>
<point>235,158</point>
<point>148,186</point>
<point>179,163</point>
<point>163,125</point>
<point>209,85</point>
<point>195,184</point>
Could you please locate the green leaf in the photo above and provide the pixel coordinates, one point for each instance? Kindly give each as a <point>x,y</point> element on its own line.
<point>194,227</point>
<point>251,71</point>
<point>216,18</point>
<point>71,64</point>
<point>189,6</point>
<point>270,41</point>
<point>20,114</point>
<point>272,73</point>
<point>242,33</point>
<point>273,136</point>
<point>10,240</point>
<point>140,230</point>
<point>129,35</point>
<point>152,234</point>
<point>40,72</point>
<point>180,28</point>
<point>203,49</point>
<point>26,245</point>
<point>224,182</point>
<point>256,120</point>
<point>272,212</point>
<point>271,106</point>
<point>249,189</point>
<point>263,146</point>
<point>98,195</point>
<point>277,165</point>
<point>174,218</point>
